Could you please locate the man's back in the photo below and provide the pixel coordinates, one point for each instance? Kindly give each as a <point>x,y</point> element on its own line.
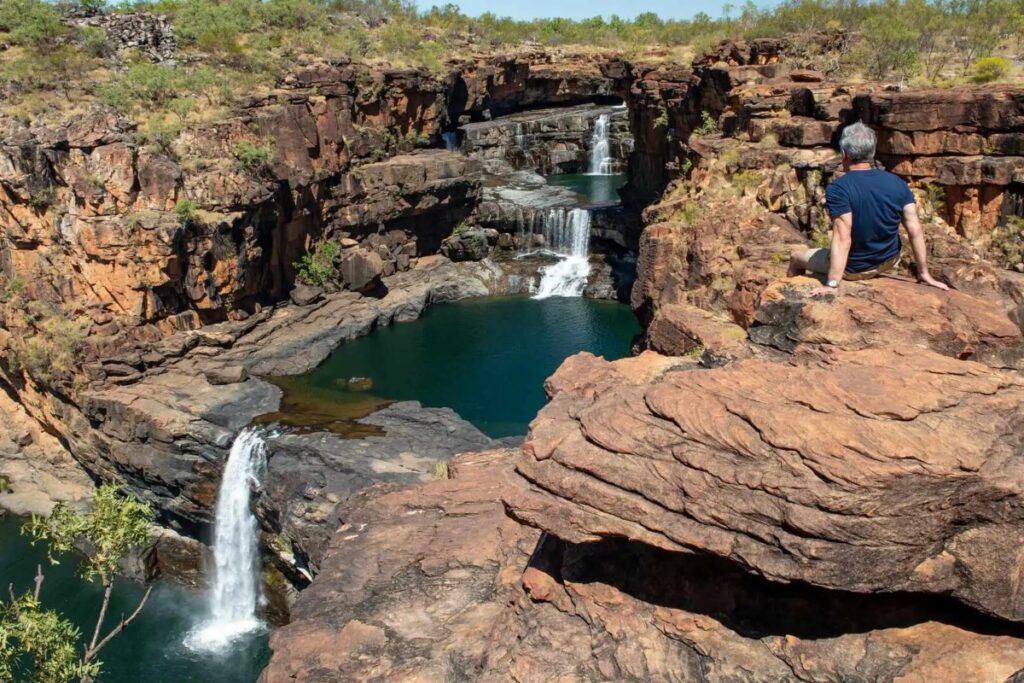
<point>876,199</point>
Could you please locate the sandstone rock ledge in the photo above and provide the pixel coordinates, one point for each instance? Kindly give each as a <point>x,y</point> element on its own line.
<point>427,584</point>
<point>866,471</point>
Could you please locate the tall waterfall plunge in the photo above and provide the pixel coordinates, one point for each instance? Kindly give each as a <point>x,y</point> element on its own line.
<point>568,235</point>
<point>600,148</point>
<point>236,591</point>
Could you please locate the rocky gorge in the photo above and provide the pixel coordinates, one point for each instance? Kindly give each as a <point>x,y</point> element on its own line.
<point>773,487</point>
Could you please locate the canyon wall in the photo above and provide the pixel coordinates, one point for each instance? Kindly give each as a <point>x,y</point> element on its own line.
<point>780,488</point>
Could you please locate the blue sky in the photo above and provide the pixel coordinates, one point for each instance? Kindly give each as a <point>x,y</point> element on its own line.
<point>580,9</point>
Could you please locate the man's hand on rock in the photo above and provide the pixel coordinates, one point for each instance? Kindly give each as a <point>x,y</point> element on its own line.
<point>927,279</point>
<point>818,292</point>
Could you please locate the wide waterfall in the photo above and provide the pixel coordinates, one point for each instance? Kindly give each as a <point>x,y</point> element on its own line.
<point>236,588</point>
<point>600,148</point>
<point>567,233</point>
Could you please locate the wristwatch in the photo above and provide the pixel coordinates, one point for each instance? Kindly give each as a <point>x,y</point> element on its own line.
<point>834,284</point>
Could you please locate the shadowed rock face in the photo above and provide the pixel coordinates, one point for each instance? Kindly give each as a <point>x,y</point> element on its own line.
<point>854,471</point>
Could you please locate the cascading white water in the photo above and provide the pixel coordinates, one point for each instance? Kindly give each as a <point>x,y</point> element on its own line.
<point>235,591</point>
<point>600,148</point>
<point>568,235</point>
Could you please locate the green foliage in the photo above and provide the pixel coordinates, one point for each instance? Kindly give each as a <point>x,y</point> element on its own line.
<point>708,125</point>
<point>39,645</point>
<point>316,268</point>
<point>12,289</point>
<point>149,85</point>
<point>93,41</point>
<point>988,69</point>
<point>115,525</point>
<point>687,213</point>
<point>52,352</point>
<point>661,120</point>
<point>161,133</point>
<point>1008,242</point>
<point>30,22</point>
<point>251,157</point>
<point>745,180</point>
<point>186,210</point>
<point>936,195</point>
<point>5,484</point>
<point>891,44</point>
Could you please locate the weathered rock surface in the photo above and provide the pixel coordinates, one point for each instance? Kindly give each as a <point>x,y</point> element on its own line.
<point>888,312</point>
<point>36,471</point>
<point>423,600</point>
<point>852,472</point>
<point>440,593</point>
<point>550,141</point>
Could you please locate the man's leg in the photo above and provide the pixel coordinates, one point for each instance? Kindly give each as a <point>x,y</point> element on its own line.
<point>814,260</point>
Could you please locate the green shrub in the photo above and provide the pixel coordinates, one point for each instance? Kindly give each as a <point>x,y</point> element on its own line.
<point>53,351</point>
<point>161,134</point>
<point>316,268</point>
<point>1008,242</point>
<point>990,69</point>
<point>5,484</point>
<point>745,180</point>
<point>252,158</point>
<point>708,125</point>
<point>12,289</point>
<point>30,22</point>
<point>156,85</point>
<point>186,210</point>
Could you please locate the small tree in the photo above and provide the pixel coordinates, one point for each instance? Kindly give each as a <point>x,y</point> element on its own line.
<point>115,525</point>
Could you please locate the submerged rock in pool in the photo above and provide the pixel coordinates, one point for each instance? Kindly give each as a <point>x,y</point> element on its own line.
<point>356,383</point>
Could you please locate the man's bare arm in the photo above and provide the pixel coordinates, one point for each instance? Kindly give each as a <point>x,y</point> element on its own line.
<point>918,246</point>
<point>842,240</point>
<point>839,251</point>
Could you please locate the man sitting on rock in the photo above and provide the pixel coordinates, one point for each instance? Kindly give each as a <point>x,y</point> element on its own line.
<point>867,206</point>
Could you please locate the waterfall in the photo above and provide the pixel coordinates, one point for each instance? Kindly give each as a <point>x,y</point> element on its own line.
<point>451,140</point>
<point>600,148</point>
<point>236,590</point>
<point>568,235</point>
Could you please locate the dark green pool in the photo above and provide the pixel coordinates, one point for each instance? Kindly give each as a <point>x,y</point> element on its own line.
<point>485,358</point>
<point>151,648</point>
<point>592,188</point>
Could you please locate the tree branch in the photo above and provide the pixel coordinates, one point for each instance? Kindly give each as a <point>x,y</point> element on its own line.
<point>103,615</point>
<point>39,581</point>
<point>93,651</point>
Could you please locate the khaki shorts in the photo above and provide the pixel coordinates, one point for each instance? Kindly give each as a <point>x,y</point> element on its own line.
<point>819,260</point>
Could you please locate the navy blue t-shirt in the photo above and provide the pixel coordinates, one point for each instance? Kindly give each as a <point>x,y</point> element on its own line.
<point>876,199</point>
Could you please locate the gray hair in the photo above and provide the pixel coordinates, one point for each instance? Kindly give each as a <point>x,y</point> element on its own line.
<point>858,142</point>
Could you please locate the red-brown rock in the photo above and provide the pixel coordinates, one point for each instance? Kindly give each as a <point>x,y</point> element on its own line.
<point>853,472</point>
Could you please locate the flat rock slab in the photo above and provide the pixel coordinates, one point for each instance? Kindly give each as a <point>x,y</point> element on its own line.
<point>866,471</point>
<point>887,311</point>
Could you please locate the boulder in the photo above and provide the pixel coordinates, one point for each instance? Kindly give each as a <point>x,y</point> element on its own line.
<point>468,245</point>
<point>851,471</point>
<point>304,295</point>
<point>229,374</point>
<point>361,269</point>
